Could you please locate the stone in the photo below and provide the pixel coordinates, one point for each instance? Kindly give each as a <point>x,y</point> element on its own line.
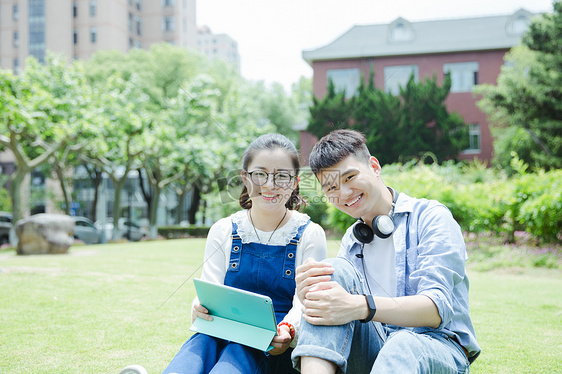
<point>44,234</point>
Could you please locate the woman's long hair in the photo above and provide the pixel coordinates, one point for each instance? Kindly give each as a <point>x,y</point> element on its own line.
<point>271,142</point>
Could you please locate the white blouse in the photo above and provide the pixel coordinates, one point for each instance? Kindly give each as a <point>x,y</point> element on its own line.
<point>219,243</point>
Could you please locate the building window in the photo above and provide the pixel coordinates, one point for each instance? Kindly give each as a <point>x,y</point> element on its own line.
<point>16,64</point>
<point>93,6</point>
<point>167,3</point>
<point>36,29</point>
<point>138,25</point>
<point>93,34</point>
<point>131,22</point>
<point>464,75</point>
<point>75,36</point>
<point>345,80</point>
<point>16,39</point>
<point>16,12</point>
<point>74,9</point>
<point>168,23</point>
<point>518,23</point>
<point>138,4</point>
<point>398,76</point>
<point>474,139</point>
<point>401,32</point>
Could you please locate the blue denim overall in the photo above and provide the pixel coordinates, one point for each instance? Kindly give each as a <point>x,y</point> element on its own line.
<point>265,269</point>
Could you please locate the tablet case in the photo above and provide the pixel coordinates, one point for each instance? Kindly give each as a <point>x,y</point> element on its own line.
<point>240,316</point>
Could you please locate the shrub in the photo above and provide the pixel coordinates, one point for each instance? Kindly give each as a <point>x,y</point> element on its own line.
<point>176,232</point>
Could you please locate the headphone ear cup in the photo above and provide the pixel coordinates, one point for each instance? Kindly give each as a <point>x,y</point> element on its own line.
<point>363,233</point>
<point>383,226</point>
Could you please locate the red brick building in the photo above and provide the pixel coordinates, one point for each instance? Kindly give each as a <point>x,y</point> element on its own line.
<point>471,49</point>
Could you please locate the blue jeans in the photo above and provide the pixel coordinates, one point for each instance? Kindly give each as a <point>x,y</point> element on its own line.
<point>373,348</point>
<point>204,354</point>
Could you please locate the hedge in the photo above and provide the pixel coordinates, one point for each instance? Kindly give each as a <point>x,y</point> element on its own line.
<point>176,232</point>
<point>480,199</point>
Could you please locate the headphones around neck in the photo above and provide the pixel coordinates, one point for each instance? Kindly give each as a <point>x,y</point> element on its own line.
<point>383,225</point>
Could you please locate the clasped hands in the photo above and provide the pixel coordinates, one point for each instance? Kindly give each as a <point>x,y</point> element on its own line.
<point>324,301</point>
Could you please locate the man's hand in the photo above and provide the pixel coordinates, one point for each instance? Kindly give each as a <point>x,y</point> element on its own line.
<point>328,303</point>
<point>281,341</point>
<point>200,311</point>
<point>310,273</point>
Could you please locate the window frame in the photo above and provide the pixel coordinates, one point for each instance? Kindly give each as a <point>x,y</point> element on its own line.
<point>346,79</point>
<point>392,84</point>
<point>464,75</point>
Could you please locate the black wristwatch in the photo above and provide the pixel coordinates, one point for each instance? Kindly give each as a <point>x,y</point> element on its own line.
<point>372,309</point>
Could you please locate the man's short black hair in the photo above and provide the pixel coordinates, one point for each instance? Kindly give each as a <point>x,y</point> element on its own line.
<point>335,147</point>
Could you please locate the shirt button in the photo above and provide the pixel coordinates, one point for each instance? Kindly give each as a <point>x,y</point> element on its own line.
<point>291,255</point>
<point>236,248</point>
<point>234,265</point>
<point>288,272</point>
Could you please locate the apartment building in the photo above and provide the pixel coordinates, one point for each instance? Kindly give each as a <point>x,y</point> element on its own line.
<point>218,46</point>
<point>472,50</point>
<point>79,28</point>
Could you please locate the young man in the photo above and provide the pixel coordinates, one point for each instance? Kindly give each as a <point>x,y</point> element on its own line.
<point>395,301</point>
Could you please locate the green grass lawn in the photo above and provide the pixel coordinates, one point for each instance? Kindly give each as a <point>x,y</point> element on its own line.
<point>102,307</point>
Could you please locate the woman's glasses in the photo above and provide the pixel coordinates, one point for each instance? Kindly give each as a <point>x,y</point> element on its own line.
<point>281,179</point>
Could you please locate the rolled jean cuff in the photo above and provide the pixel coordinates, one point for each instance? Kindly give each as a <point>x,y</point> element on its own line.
<point>317,352</point>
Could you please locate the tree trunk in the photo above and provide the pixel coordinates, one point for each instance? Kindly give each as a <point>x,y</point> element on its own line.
<point>16,194</point>
<point>64,187</point>
<point>96,178</point>
<point>204,211</point>
<point>179,209</point>
<point>118,186</point>
<point>194,207</point>
<point>148,195</point>
<point>153,231</point>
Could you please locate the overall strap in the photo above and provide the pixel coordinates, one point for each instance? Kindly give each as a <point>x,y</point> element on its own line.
<point>236,249</point>
<point>291,252</point>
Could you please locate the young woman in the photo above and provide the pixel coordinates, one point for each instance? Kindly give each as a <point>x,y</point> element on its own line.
<point>257,249</point>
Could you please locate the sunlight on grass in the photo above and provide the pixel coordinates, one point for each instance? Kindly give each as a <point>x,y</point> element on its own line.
<point>102,307</point>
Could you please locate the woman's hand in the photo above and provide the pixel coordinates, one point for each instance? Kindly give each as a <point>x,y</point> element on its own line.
<point>309,274</point>
<point>281,341</point>
<point>198,310</point>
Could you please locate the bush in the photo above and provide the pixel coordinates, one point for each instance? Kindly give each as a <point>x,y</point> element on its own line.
<point>540,205</point>
<point>176,232</point>
<point>481,200</point>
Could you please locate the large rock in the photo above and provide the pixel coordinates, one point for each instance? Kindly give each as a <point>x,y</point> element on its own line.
<point>44,234</point>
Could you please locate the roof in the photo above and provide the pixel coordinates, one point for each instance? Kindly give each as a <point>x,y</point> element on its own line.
<point>402,37</point>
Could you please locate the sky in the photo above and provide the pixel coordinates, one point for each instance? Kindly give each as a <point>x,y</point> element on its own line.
<point>271,35</point>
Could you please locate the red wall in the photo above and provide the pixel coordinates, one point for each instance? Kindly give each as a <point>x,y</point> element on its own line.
<point>464,103</point>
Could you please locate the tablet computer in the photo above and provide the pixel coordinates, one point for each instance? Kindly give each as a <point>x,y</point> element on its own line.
<point>239,316</point>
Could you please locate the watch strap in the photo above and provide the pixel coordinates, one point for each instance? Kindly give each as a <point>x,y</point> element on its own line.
<point>372,309</point>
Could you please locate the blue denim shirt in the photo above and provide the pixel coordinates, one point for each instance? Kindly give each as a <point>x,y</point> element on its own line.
<point>430,260</point>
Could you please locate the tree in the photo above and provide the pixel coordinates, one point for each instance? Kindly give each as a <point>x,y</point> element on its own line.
<point>377,116</point>
<point>121,120</point>
<point>330,113</point>
<point>528,96</point>
<point>38,111</point>
<point>419,111</point>
<point>430,127</point>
